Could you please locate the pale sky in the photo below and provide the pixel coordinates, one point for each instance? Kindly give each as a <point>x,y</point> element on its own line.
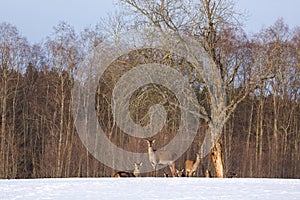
<point>263,13</point>
<point>35,19</point>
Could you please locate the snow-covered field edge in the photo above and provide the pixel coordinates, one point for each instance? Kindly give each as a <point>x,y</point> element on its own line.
<point>150,188</point>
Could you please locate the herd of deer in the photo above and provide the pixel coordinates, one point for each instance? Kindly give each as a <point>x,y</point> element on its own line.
<point>164,157</point>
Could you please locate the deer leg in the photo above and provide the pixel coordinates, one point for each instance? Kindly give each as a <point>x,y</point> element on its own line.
<point>154,172</point>
<point>194,173</point>
<point>172,168</point>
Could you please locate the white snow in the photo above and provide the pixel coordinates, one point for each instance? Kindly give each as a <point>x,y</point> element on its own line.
<point>150,188</point>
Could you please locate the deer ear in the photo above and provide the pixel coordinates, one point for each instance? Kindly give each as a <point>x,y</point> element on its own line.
<point>141,163</point>
<point>153,141</point>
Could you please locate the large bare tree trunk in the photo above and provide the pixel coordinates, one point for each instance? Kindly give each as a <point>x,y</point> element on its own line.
<point>217,160</point>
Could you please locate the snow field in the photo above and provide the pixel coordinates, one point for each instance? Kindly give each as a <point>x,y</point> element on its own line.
<point>150,188</point>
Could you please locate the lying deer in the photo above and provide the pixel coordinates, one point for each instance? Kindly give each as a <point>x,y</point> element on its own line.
<point>207,174</point>
<point>166,175</point>
<point>134,173</point>
<point>179,173</point>
<point>161,158</point>
<point>232,175</point>
<point>191,166</point>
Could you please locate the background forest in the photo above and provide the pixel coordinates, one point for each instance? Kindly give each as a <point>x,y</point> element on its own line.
<point>38,138</point>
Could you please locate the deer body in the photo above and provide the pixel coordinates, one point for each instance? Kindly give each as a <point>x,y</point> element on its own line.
<point>134,173</point>
<point>123,174</point>
<point>161,158</point>
<point>232,175</point>
<point>191,166</point>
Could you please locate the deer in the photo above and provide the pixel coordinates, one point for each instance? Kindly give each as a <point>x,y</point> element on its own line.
<point>121,174</point>
<point>166,175</point>
<point>161,158</point>
<point>191,166</point>
<point>232,175</point>
<point>179,173</point>
<point>207,174</point>
<point>134,173</point>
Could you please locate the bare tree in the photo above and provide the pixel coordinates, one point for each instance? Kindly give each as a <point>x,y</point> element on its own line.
<point>206,20</point>
<point>13,51</point>
<point>64,57</point>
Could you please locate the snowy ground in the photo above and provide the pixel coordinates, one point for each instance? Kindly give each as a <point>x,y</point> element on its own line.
<point>150,188</point>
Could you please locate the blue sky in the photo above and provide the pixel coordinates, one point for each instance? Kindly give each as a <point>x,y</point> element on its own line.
<point>35,19</point>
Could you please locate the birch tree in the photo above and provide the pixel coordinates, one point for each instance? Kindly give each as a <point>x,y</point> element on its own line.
<point>13,51</point>
<point>62,49</point>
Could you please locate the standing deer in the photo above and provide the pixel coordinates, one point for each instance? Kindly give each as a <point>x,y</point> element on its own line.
<point>161,158</point>
<point>191,166</point>
<point>134,173</point>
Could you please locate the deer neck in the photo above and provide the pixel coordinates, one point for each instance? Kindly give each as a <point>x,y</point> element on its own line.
<point>197,162</point>
<point>151,153</point>
<point>150,150</point>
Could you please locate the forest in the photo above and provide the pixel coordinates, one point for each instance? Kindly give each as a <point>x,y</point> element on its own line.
<point>260,136</point>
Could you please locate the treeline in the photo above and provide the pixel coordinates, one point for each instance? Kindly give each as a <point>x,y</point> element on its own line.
<point>38,137</point>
